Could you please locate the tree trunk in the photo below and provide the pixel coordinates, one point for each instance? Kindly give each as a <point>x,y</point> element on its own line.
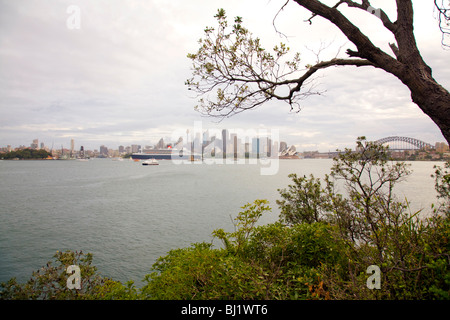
<point>409,67</point>
<point>434,101</point>
<point>426,92</point>
<point>430,97</point>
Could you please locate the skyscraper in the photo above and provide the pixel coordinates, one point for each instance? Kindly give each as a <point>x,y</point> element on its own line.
<point>234,145</point>
<point>35,144</point>
<point>103,150</point>
<point>224,142</point>
<point>205,137</point>
<point>255,147</point>
<point>160,144</point>
<point>135,148</point>
<point>72,147</point>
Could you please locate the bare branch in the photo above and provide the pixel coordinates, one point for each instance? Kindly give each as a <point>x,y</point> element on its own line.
<point>365,6</point>
<point>366,49</point>
<point>394,49</point>
<point>444,21</point>
<point>273,21</point>
<point>326,64</point>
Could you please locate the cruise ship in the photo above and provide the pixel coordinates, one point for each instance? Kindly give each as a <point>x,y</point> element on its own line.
<point>164,154</point>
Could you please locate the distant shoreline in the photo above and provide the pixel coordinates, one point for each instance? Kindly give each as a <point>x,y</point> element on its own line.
<point>28,159</point>
<point>280,158</point>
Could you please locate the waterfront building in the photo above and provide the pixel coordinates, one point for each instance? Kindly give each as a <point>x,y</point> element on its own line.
<point>283,146</point>
<point>160,144</point>
<point>441,147</point>
<point>72,147</point>
<point>135,148</point>
<point>224,142</point>
<point>103,150</point>
<point>255,147</point>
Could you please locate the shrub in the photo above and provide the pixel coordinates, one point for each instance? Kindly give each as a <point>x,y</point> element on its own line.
<point>50,281</point>
<point>273,261</point>
<point>373,228</point>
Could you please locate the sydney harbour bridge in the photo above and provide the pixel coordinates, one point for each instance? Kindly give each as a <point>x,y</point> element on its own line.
<point>404,143</point>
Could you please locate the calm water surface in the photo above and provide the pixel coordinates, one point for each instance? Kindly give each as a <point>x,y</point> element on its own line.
<point>128,215</point>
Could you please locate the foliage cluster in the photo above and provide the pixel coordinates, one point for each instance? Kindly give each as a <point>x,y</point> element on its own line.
<point>25,154</point>
<point>50,282</point>
<point>375,228</point>
<point>232,64</point>
<point>320,248</point>
<point>256,262</point>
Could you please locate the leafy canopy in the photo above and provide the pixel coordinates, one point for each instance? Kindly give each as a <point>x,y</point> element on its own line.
<point>232,64</point>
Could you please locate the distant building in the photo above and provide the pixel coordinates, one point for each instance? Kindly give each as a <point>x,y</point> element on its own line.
<point>206,137</point>
<point>255,147</point>
<point>274,150</point>
<point>35,144</point>
<point>179,142</point>
<point>103,150</point>
<point>72,147</point>
<point>291,151</point>
<point>160,144</point>
<point>441,147</point>
<point>247,148</point>
<point>234,144</point>
<point>266,146</point>
<point>224,142</point>
<point>135,148</point>
<point>283,146</point>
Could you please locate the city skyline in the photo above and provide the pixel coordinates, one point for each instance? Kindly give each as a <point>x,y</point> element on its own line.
<point>204,139</point>
<point>231,140</point>
<point>117,78</point>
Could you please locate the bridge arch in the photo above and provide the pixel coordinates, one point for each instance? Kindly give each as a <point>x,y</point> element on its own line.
<point>403,143</point>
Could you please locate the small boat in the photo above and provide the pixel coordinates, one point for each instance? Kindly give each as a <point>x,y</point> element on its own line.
<point>150,162</point>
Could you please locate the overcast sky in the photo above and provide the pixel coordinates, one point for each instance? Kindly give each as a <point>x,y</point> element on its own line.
<point>119,78</point>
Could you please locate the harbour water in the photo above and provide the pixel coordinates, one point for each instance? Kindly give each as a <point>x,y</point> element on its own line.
<point>128,215</point>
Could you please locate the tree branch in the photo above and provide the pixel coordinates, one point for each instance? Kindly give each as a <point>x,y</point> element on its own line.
<point>408,52</point>
<point>366,49</point>
<point>323,65</point>
<point>240,74</point>
<point>366,6</point>
<point>404,35</point>
<point>444,21</point>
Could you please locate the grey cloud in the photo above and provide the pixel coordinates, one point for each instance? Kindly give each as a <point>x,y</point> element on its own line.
<point>121,76</point>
